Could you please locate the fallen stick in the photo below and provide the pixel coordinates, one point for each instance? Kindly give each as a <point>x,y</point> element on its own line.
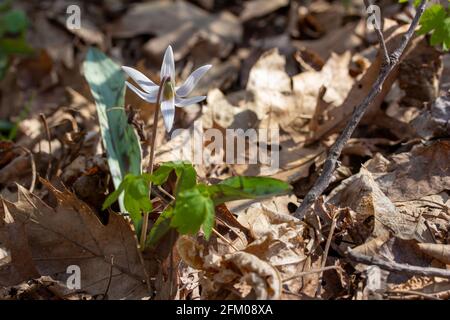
<point>389,64</point>
<point>398,267</point>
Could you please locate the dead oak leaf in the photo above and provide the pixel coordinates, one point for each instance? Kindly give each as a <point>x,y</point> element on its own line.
<point>71,234</point>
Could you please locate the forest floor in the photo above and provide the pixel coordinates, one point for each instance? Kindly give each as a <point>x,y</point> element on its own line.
<point>297,67</point>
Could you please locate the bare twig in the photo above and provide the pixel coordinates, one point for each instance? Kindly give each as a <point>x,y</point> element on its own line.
<point>217,233</point>
<point>335,151</point>
<point>414,293</point>
<point>398,267</point>
<point>327,248</point>
<point>33,167</point>
<point>307,273</point>
<point>166,193</point>
<point>109,279</point>
<point>152,158</point>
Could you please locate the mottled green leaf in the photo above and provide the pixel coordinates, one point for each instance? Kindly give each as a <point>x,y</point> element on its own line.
<point>107,83</point>
<point>237,188</point>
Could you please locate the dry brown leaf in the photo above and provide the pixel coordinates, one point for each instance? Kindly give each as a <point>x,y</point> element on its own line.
<point>438,251</point>
<point>412,175</point>
<point>435,122</point>
<point>336,116</point>
<point>307,85</point>
<point>258,8</point>
<point>51,239</point>
<point>270,85</point>
<point>43,288</point>
<point>363,195</point>
<point>250,276</point>
<point>338,41</point>
<point>178,23</point>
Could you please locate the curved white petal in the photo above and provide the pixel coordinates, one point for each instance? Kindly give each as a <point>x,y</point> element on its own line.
<point>149,97</point>
<point>168,113</point>
<point>181,102</point>
<point>168,65</point>
<point>192,81</point>
<point>145,83</point>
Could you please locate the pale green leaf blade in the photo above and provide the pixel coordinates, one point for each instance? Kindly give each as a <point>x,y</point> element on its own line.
<point>107,83</point>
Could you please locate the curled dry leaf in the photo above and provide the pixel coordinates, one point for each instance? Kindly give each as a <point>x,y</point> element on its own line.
<point>248,275</point>
<point>45,241</point>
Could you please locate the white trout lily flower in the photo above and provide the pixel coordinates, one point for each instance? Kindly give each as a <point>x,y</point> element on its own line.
<point>171,95</point>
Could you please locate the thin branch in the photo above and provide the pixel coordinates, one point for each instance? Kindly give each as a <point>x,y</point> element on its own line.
<point>33,167</point>
<point>49,139</point>
<point>414,293</point>
<point>398,267</point>
<point>327,249</point>
<point>307,273</point>
<point>335,151</point>
<point>217,233</point>
<point>105,295</point>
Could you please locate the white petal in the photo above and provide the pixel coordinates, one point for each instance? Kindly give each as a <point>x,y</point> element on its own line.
<point>149,97</point>
<point>168,65</point>
<point>192,81</point>
<point>168,113</point>
<point>145,83</point>
<point>181,102</point>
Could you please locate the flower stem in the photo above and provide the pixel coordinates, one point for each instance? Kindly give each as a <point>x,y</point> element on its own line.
<point>152,159</point>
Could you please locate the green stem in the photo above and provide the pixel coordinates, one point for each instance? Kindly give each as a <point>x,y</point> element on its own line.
<point>152,158</point>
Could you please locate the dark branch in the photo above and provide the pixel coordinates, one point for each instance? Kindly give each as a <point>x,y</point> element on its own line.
<point>335,151</point>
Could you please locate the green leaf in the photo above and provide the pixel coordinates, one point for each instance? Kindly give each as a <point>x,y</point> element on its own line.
<point>136,197</point>
<point>14,21</point>
<point>237,188</point>
<point>161,227</point>
<point>4,64</point>
<point>193,209</point>
<point>436,20</point>
<point>114,196</point>
<point>6,125</point>
<point>107,84</point>
<point>185,172</point>
<point>15,46</point>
